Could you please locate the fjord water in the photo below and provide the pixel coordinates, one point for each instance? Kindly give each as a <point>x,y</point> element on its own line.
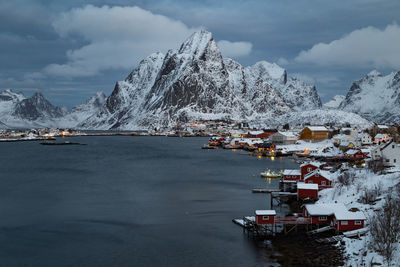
<point>129,201</point>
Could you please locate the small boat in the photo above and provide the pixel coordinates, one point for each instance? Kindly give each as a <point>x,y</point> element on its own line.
<point>208,147</point>
<point>61,144</point>
<point>270,174</point>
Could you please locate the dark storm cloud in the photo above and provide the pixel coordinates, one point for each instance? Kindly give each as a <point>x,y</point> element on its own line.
<point>36,55</point>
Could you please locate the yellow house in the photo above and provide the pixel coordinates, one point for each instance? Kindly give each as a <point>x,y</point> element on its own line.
<point>314,133</point>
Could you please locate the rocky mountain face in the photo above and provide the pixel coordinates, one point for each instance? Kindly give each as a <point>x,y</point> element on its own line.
<point>17,110</point>
<point>36,107</point>
<point>196,82</point>
<point>375,97</point>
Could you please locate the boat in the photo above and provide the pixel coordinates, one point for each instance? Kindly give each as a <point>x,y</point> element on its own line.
<point>208,147</point>
<point>270,174</point>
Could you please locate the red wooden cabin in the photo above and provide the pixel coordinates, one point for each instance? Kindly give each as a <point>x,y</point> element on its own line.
<point>308,167</point>
<point>321,213</point>
<point>291,175</point>
<point>307,191</point>
<point>265,216</point>
<point>349,221</point>
<point>319,177</point>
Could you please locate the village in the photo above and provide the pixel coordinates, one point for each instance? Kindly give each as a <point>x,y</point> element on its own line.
<point>343,178</point>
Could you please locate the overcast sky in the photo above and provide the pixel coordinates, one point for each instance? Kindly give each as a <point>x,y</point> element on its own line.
<point>69,50</point>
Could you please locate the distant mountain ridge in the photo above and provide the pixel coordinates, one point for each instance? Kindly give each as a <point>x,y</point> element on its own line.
<point>19,111</point>
<point>195,82</point>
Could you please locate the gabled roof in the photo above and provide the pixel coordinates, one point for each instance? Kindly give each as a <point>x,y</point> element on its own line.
<point>324,209</point>
<point>325,174</point>
<point>291,172</point>
<point>339,210</point>
<point>287,134</point>
<point>379,136</point>
<point>341,215</point>
<point>314,163</point>
<point>352,151</point>
<point>265,212</point>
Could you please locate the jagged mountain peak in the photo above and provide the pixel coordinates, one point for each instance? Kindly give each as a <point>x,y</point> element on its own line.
<point>197,43</point>
<point>376,97</point>
<point>270,71</point>
<point>11,95</point>
<point>374,73</point>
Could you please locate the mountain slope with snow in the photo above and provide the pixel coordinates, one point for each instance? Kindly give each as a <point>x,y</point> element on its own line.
<point>335,102</point>
<point>196,82</point>
<point>375,97</point>
<point>314,117</point>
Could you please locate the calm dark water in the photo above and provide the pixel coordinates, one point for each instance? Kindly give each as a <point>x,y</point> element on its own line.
<point>128,201</point>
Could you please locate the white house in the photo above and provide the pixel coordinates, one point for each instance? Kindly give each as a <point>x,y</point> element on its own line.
<point>364,139</point>
<point>284,138</point>
<point>389,152</point>
<point>339,138</point>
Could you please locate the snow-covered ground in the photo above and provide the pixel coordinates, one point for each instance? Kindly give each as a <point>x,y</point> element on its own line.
<point>358,250</point>
<point>323,148</point>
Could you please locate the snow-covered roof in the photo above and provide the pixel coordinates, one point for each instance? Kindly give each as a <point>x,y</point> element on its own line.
<point>256,132</point>
<point>381,126</point>
<point>379,136</point>
<point>325,174</point>
<point>291,172</point>
<point>265,212</point>
<point>307,186</point>
<point>314,163</point>
<point>288,134</point>
<point>352,151</point>
<point>348,215</point>
<point>317,128</point>
<point>324,209</point>
<point>339,136</point>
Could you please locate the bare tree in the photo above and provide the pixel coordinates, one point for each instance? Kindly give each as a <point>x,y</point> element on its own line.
<point>346,178</point>
<point>385,228</point>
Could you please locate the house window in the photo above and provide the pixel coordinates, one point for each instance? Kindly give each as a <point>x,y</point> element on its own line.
<point>323,218</point>
<point>309,181</point>
<point>344,223</point>
<point>323,183</point>
<point>357,223</point>
<point>265,218</point>
<point>317,175</point>
<point>309,169</point>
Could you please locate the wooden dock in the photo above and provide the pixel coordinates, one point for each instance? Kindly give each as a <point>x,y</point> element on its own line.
<point>264,190</point>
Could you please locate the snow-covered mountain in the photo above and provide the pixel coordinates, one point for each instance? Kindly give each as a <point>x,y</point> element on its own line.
<point>36,107</point>
<point>335,102</point>
<point>196,82</point>
<point>83,111</point>
<point>19,111</point>
<point>314,117</point>
<point>375,97</point>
